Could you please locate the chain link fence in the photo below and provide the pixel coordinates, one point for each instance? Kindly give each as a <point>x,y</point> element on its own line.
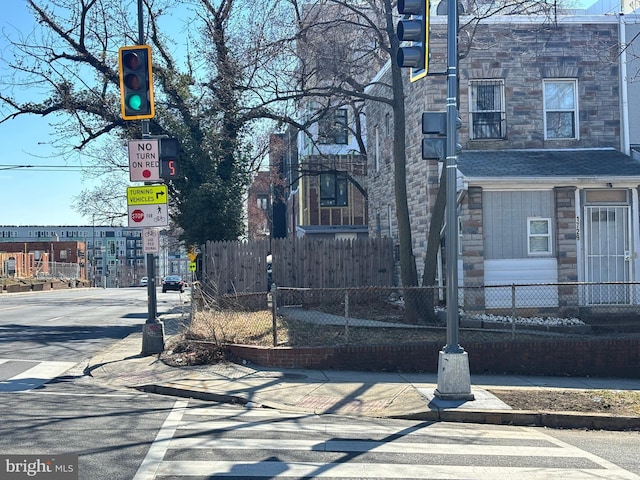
<point>60,271</point>
<point>313,317</point>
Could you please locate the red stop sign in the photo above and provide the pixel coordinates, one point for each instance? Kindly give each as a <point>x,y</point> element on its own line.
<point>137,215</point>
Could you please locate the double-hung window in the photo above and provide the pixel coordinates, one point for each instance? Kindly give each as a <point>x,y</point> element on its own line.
<point>560,109</point>
<point>538,236</point>
<point>486,108</point>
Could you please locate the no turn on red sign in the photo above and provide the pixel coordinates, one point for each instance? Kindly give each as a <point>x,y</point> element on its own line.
<point>144,160</point>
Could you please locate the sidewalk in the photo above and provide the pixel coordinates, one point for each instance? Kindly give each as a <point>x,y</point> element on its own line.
<point>395,395</point>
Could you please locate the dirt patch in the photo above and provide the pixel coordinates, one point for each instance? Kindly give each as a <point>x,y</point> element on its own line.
<point>612,402</point>
<point>185,352</point>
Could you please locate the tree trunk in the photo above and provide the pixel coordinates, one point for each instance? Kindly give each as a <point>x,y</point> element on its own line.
<point>408,271</point>
<point>433,246</point>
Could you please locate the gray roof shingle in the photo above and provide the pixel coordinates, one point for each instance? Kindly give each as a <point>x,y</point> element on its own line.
<point>547,163</point>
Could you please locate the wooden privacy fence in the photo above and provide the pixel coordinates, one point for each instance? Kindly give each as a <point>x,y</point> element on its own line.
<point>232,267</point>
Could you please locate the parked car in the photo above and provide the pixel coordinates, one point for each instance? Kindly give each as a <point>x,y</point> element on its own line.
<point>172,282</point>
<point>144,281</point>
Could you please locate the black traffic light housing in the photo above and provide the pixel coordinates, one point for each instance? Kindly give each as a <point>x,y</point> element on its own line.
<point>435,148</point>
<point>414,27</point>
<point>168,153</point>
<point>136,82</point>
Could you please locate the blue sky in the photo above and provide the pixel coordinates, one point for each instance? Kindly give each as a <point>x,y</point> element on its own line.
<point>31,196</point>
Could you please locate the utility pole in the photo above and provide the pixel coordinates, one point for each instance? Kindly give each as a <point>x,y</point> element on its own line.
<point>454,381</point>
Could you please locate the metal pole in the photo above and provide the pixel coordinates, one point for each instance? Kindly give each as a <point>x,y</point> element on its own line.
<point>140,24</point>
<point>151,267</point>
<point>153,329</point>
<point>451,231</point>
<point>454,382</point>
<point>151,289</point>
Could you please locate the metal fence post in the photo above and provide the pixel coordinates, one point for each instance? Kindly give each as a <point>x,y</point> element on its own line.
<point>513,311</point>
<point>346,316</point>
<point>274,314</point>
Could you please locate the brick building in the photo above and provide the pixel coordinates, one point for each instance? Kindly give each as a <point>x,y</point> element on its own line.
<point>32,259</point>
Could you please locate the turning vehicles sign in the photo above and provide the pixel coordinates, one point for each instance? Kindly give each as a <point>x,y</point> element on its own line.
<point>147,206</point>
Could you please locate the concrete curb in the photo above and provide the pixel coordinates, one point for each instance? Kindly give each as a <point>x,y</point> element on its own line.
<point>523,418</point>
<point>527,418</point>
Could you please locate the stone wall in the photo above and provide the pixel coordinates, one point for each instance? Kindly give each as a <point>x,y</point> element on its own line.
<point>473,250</point>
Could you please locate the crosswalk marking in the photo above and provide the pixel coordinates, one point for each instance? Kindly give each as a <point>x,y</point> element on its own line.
<point>153,459</point>
<point>247,443</point>
<point>25,375</point>
<point>274,469</point>
<point>358,446</point>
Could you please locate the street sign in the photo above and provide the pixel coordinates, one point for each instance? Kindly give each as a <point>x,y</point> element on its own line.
<point>148,216</point>
<point>144,160</point>
<point>192,266</point>
<point>147,195</point>
<point>150,240</point>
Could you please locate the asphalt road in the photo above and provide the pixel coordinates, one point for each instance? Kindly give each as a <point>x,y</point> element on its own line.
<point>71,325</point>
<point>49,337</point>
<point>211,441</point>
<point>110,430</point>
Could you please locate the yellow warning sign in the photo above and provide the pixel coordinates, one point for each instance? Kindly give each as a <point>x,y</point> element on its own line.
<point>147,195</point>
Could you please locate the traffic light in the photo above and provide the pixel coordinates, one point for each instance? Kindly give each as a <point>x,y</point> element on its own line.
<point>414,28</point>
<point>169,149</point>
<point>136,82</point>
<point>435,148</point>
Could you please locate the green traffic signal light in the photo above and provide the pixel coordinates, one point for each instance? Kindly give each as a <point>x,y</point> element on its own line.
<point>134,102</point>
<point>136,82</point>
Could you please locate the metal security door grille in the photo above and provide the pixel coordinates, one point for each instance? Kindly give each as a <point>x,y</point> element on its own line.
<point>607,254</point>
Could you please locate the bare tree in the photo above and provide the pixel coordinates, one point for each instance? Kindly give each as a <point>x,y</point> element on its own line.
<point>69,64</point>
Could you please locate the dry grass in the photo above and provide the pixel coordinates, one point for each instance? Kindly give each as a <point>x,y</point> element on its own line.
<point>256,328</point>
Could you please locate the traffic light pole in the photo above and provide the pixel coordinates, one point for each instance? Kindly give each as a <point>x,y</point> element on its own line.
<point>153,329</point>
<point>454,382</point>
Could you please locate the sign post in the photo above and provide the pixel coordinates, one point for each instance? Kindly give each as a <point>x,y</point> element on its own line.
<point>147,207</point>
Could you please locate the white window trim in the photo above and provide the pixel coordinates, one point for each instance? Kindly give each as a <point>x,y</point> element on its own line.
<point>530,235</point>
<point>576,134</point>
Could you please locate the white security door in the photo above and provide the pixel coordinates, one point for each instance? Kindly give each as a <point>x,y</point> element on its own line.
<point>607,247</point>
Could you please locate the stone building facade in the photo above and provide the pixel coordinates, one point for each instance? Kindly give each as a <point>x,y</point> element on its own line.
<point>532,92</point>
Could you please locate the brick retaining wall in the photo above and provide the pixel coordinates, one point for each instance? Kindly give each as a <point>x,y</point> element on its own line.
<point>598,358</point>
